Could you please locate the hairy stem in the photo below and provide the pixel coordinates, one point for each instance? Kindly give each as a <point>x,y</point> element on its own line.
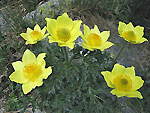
<point>65,52</point>
<point>119,53</point>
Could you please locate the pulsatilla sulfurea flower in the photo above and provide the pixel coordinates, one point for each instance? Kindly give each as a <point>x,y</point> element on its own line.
<point>94,39</point>
<point>31,71</point>
<point>124,81</point>
<point>63,30</point>
<point>131,34</point>
<point>33,36</point>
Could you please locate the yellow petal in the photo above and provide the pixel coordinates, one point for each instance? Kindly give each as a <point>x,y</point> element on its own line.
<point>65,21</point>
<point>130,71</point>
<point>39,82</point>
<point>40,60</point>
<point>107,76</point>
<point>118,70</point>
<point>121,27</point>
<point>70,45</point>
<point>104,35</point>
<point>131,94</point>
<point>28,57</point>
<point>130,27</point>
<point>84,38</point>
<point>47,72</point>
<point>18,65</point>
<point>75,32</point>
<point>44,36</point>
<point>86,46</point>
<point>134,94</point>
<point>137,82</point>
<point>30,42</point>
<point>118,93</point>
<point>105,46</point>
<point>51,26</point>
<point>24,35</point>
<point>95,30</point>
<point>27,87</point>
<point>86,30</point>
<point>29,30</point>
<point>51,39</point>
<point>142,40</point>
<point>139,31</point>
<point>43,30</point>
<point>17,76</point>
<point>37,28</point>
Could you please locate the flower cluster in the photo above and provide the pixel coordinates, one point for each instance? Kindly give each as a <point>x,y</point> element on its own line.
<point>94,39</point>
<point>131,34</point>
<point>31,71</point>
<point>124,81</point>
<point>33,36</point>
<point>63,30</point>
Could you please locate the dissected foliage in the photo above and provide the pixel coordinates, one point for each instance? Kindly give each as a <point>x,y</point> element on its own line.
<point>77,87</point>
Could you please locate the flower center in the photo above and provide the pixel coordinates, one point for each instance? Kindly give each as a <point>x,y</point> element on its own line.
<point>123,83</point>
<point>35,35</point>
<point>32,71</point>
<point>94,40</point>
<point>129,35</point>
<point>63,34</point>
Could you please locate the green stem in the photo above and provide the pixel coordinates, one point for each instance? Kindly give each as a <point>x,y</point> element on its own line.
<point>98,98</point>
<point>119,53</point>
<point>65,52</point>
<point>71,58</point>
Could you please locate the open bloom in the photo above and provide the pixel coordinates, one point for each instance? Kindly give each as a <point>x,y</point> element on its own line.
<point>131,34</point>
<point>31,71</point>
<point>124,81</point>
<point>63,30</point>
<point>33,36</point>
<point>94,39</point>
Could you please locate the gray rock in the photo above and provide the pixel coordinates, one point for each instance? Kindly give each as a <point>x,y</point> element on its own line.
<point>41,12</point>
<point>47,9</point>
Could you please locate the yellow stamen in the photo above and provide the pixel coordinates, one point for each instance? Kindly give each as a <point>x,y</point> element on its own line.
<point>32,71</point>
<point>94,40</point>
<point>35,35</point>
<point>129,35</point>
<point>122,83</point>
<point>63,34</point>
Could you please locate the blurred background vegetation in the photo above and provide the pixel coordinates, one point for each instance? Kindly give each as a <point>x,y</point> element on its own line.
<point>91,12</point>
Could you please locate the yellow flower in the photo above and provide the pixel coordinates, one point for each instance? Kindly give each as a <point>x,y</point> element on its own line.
<point>33,36</point>
<point>63,30</point>
<point>31,71</point>
<point>94,39</point>
<point>131,34</point>
<point>124,81</point>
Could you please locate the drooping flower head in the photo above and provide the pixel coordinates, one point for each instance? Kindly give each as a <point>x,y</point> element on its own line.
<point>33,36</point>
<point>31,71</point>
<point>124,81</point>
<point>94,39</point>
<point>131,34</point>
<point>63,30</point>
